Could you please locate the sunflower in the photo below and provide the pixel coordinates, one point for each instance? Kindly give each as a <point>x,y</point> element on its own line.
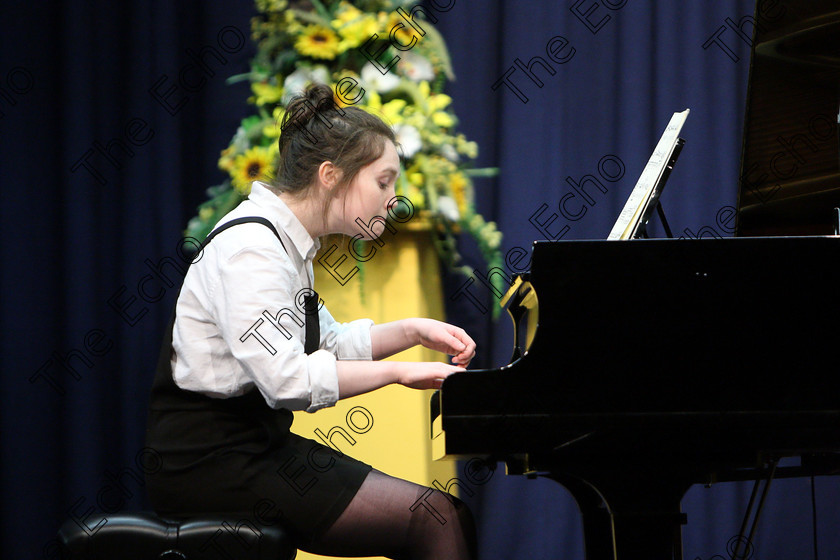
<point>458,183</point>
<point>253,165</point>
<point>226,159</point>
<point>354,26</point>
<point>317,41</point>
<point>265,93</point>
<point>401,33</point>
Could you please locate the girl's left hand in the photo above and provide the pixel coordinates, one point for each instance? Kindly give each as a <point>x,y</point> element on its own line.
<point>446,338</point>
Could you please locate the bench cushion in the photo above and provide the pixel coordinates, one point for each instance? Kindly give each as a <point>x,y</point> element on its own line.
<point>145,536</point>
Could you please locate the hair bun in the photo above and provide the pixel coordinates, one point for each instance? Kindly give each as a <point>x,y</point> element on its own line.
<point>321,96</point>
<point>317,99</point>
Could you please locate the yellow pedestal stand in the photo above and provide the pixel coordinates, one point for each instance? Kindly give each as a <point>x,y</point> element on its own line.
<point>401,280</point>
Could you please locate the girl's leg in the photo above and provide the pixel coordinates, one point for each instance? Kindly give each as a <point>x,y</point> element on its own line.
<point>398,519</point>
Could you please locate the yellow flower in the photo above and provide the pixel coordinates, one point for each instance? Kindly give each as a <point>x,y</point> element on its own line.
<point>226,159</point>
<point>413,173</point>
<point>443,120</point>
<point>205,213</point>
<point>390,112</point>
<point>317,41</point>
<point>266,93</point>
<point>416,179</point>
<point>459,185</point>
<point>433,105</point>
<point>273,130</point>
<point>405,34</point>
<point>436,101</point>
<point>349,92</point>
<point>354,26</point>
<point>293,26</point>
<point>417,198</point>
<point>272,5</point>
<point>469,149</point>
<point>435,139</point>
<point>253,165</point>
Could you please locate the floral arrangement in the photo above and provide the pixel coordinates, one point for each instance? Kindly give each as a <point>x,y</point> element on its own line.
<point>327,41</point>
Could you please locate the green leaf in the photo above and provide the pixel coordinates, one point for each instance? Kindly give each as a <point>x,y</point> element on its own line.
<point>319,19</point>
<point>249,76</point>
<point>481,171</point>
<point>322,10</point>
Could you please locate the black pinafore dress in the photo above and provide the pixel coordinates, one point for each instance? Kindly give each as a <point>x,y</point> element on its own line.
<point>236,456</point>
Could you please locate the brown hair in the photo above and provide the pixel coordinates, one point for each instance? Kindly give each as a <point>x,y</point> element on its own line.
<point>314,130</point>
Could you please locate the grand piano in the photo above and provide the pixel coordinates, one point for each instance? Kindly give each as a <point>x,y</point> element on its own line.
<point>643,367</point>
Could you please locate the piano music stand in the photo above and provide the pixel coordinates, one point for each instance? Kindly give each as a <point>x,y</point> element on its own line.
<point>640,231</point>
<point>633,218</point>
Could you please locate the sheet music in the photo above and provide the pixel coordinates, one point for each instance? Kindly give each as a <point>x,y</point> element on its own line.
<point>650,176</point>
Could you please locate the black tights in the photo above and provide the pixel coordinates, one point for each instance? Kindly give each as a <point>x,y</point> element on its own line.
<point>398,519</point>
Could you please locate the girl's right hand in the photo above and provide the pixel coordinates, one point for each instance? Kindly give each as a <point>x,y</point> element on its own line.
<point>425,375</point>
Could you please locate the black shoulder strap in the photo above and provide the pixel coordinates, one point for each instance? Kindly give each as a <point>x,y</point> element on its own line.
<point>313,331</point>
<point>237,221</point>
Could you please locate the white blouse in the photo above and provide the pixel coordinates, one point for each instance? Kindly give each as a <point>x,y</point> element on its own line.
<point>240,320</point>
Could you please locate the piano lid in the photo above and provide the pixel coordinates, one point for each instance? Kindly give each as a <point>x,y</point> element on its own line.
<point>790,163</point>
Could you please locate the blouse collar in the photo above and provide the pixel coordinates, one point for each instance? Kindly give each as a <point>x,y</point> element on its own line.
<point>283,217</point>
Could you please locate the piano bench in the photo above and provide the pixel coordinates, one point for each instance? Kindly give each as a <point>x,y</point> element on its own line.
<point>145,536</point>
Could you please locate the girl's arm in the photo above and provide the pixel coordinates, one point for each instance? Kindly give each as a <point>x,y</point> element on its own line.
<point>357,377</point>
<point>388,339</point>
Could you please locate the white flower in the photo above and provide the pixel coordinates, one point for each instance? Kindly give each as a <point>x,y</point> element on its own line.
<point>240,140</point>
<point>448,208</point>
<point>321,74</point>
<point>408,139</point>
<point>416,67</point>
<point>296,82</point>
<point>449,152</point>
<point>373,78</point>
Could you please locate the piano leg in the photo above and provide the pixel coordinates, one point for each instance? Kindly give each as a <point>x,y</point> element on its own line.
<point>635,520</point>
<point>598,538</point>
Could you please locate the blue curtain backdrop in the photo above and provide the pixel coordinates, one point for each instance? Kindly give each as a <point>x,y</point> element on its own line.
<point>111,119</point>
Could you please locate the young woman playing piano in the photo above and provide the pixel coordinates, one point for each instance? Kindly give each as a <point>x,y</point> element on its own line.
<point>223,393</point>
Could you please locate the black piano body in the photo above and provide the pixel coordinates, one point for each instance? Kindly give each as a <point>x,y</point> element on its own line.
<point>647,366</point>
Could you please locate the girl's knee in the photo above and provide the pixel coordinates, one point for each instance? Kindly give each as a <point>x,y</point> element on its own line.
<point>461,511</point>
<point>442,507</point>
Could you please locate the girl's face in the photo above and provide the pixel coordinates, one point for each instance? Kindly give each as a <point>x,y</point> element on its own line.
<point>369,194</point>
